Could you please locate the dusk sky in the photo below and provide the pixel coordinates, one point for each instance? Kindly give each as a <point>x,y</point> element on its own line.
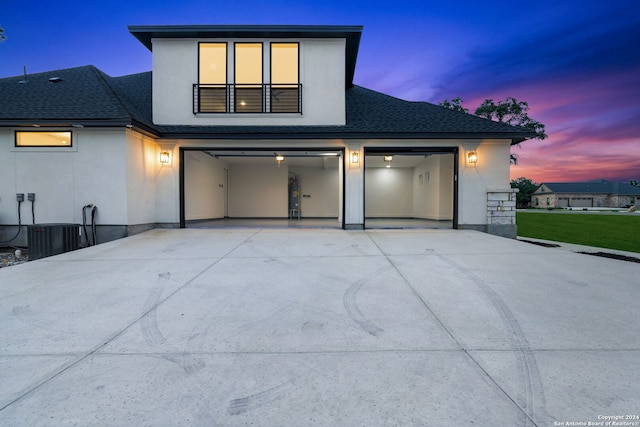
<point>576,62</point>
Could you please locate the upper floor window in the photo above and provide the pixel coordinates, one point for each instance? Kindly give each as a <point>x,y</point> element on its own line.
<point>212,76</point>
<point>43,139</point>
<point>284,77</point>
<point>245,91</point>
<point>249,96</point>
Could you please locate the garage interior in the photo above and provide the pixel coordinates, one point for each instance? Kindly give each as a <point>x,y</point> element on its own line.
<point>262,188</point>
<point>409,188</point>
<point>304,188</point>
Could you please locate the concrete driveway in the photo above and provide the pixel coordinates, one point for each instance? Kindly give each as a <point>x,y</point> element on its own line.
<point>319,327</point>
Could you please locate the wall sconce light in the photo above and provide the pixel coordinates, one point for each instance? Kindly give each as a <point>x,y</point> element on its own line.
<point>165,157</point>
<point>279,159</point>
<point>355,157</point>
<point>472,157</point>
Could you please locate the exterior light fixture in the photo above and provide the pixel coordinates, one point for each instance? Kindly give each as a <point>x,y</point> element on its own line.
<point>165,157</point>
<point>388,159</point>
<point>279,159</point>
<point>472,157</point>
<point>355,157</point>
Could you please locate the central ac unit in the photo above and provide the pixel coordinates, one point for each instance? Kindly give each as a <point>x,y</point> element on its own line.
<point>52,239</point>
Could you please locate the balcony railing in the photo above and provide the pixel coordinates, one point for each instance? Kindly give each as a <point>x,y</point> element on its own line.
<point>247,98</point>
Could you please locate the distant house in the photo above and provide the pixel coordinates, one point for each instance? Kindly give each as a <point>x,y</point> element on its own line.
<point>592,194</point>
<point>243,122</point>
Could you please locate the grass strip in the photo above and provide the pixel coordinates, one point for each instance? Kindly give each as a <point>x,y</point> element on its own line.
<point>612,231</point>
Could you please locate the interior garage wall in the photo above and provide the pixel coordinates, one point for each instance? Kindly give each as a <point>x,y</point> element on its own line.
<point>389,192</point>
<point>257,191</point>
<point>433,188</point>
<point>322,186</point>
<point>204,186</point>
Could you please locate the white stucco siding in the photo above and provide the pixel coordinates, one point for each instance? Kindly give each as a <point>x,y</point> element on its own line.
<point>100,175</point>
<point>354,187</point>
<point>322,75</point>
<point>167,184</point>
<point>142,163</point>
<point>490,173</point>
<point>323,79</point>
<point>175,70</point>
<point>65,179</point>
<point>8,188</point>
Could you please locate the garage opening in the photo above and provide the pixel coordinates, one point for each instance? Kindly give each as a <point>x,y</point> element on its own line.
<point>410,188</point>
<point>261,188</point>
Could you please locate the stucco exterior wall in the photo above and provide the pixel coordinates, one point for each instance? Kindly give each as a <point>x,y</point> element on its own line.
<point>142,163</point>
<point>322,75</point>
<point>94,170</point>
<point>474,181</point>
<point>65,179</point>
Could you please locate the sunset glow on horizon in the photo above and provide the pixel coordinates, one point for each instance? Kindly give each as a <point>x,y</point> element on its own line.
<point>576,63</point>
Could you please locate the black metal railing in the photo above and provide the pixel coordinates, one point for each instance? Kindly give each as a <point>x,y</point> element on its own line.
<point>247,98</point>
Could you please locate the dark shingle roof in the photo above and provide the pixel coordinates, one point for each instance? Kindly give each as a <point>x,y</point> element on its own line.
<point>81,94</point>
<point>89,97</point>
<point>593,187</point>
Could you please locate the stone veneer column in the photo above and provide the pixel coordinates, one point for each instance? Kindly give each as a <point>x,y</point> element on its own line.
<point>501,212</point>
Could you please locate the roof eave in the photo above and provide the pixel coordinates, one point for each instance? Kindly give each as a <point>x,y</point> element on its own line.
<point>77,123</point>
<point>328,134</point>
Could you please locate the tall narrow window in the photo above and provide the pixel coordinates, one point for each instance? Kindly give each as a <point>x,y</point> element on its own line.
<point>43,139</point>
<point>212,78</point>
<point>284,78</point>
<point>248,78</point>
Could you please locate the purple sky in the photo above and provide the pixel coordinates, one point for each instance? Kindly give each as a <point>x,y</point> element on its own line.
<point>576,62</point>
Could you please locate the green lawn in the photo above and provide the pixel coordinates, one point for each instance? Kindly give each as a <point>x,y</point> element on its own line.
<point>611,230</point>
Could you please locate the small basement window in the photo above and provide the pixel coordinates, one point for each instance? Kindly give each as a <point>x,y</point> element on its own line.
<point>43,139</point>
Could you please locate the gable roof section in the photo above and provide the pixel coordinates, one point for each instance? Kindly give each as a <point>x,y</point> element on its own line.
<point>86,96</point>
<point>592,187</point>
<point>352,35</point>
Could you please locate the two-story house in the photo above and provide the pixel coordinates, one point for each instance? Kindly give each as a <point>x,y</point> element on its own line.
<point>242,122</point>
